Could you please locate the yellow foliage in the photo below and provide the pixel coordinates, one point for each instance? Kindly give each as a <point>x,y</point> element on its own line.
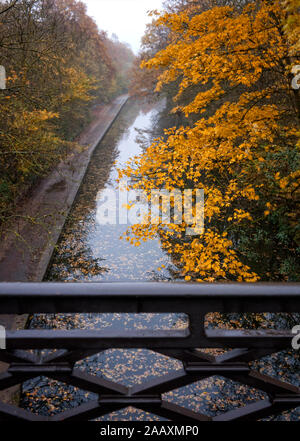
<point>218,50</point>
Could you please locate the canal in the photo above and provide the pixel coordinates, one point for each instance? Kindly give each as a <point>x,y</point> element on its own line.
<point>92,252</point>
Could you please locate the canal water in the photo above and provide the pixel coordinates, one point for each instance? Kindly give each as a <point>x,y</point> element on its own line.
<point>92,252</point>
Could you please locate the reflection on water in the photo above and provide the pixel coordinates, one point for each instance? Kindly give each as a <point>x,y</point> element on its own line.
<point>88,251</point>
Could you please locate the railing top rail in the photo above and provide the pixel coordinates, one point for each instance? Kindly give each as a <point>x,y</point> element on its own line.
<point>150,289</point>
<point>191,298</point>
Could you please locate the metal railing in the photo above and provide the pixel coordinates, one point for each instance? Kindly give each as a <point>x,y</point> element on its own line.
<point>195,300</point>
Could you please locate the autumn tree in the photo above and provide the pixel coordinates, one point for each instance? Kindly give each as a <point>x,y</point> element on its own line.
<point>242,146</point>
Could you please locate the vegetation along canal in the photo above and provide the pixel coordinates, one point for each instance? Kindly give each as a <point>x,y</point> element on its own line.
<point>89,251</point>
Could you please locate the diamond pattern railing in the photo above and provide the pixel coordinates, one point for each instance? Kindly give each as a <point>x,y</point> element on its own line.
<point>196,300</point>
